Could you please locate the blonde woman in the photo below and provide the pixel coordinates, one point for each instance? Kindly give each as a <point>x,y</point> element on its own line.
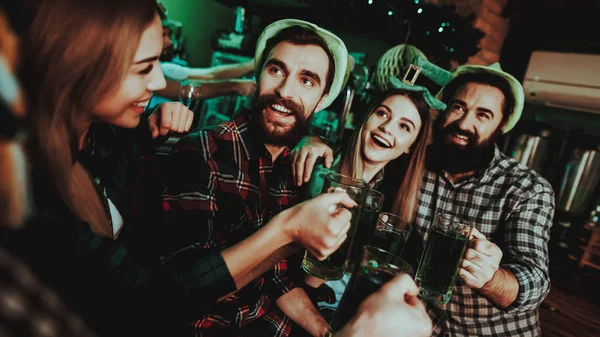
<point>395,132</point>
<point>397,126</point>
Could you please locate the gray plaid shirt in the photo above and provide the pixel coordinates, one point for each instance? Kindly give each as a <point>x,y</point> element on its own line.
<point>513,207</point>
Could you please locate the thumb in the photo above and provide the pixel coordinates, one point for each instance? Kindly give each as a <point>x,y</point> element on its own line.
<point>328,155</point>
<point>401,287</point>
<point>153,129</point>
<point>475,234</point>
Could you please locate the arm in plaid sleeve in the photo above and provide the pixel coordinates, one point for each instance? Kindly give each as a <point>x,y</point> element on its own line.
<point>278,281</point>
<point>526,236</point>
<point>190,204</point>
<point>277,268</point>
<point>189,200</point>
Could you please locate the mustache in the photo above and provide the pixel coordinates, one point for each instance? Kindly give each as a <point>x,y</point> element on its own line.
<point>265,100</point>
<point>454,129</point>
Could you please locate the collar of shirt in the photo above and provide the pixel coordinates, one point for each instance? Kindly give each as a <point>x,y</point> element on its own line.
<point>100,142</point>
<point>248,129</point>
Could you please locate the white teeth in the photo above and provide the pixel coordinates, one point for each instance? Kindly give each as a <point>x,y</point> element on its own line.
<point>463,137</point>
<point>142,104</point>
<point>382,140</point>
<point>280,108</point>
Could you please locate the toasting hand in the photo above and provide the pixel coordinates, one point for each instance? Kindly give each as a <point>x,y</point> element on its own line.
<point>319,224</point>
<point>394,310</point>
<point>481,261</point>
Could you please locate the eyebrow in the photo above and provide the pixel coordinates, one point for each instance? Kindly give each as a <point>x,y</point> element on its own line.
<point>403,118</point>
<point>147,60</point>
<point>312,75</point>
<point>385,107</point>
<point>409,121</point>
<point>305,72</point>
<point>279,64</point>
<point>480,109</point>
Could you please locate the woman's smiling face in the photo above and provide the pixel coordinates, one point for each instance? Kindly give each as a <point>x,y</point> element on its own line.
<point>390,130</point>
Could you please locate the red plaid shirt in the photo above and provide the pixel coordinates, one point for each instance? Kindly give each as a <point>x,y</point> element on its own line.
<point>222,188</point>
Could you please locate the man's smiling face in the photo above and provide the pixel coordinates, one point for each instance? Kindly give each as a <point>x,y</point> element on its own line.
<point>291,88</point>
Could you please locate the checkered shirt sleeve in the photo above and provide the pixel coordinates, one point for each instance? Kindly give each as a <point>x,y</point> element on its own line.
<point>513,207</point>
<point>526,236</point>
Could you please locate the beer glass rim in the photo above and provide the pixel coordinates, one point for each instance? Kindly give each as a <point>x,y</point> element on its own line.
<point>393,215</point>
<point>338,178</point>
<point>375,193</point>
<point>398,262</point>
<point>191,82</point>
<point>390,228</point>
<point>454,218</point>
<point>408,224</point>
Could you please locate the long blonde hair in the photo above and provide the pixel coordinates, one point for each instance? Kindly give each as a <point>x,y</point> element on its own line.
<point>75,53</point>
<point>406,198</point>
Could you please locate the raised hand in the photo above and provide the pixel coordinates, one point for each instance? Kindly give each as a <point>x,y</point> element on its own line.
<point>319,225</point>
<point>394,310</point>
<point>304,156</point>
<point>170,117</point>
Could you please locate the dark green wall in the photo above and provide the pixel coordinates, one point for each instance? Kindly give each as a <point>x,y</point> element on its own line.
<point>200,19</point>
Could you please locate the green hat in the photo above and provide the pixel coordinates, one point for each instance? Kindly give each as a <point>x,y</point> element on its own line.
<point>515,86</point>
<point>162,10</point>
<point>424,77</point>
<point>336,46</point>
<point>172,24</point>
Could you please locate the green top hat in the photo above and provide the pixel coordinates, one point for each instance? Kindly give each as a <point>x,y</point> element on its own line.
<point>424,77</point>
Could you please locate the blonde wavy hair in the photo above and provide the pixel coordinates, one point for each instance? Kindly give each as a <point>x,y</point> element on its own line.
<point>76,52</point>
<point>406,199</point>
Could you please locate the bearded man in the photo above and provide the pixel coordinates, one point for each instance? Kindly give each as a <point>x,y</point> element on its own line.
<point>226,186</point>
<point>504,276</point>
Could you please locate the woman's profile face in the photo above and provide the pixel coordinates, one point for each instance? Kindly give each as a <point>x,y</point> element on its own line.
<point>123,106</point>
<point>390,130</point>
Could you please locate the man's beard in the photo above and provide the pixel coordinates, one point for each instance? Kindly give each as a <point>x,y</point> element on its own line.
<point>276,133</point>
<point>442,154</point>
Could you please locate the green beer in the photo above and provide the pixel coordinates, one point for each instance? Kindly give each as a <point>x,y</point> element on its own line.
<point>366,226</point>
<point>390,240</point>
<point>365,230</point>
<point>332,268</point>
<point>375,269</point>
<point>442,258</point>
<point>363,283</point>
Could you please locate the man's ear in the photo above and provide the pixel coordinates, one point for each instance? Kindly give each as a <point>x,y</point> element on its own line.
<point>504,124</point>
<point>321,101</point>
